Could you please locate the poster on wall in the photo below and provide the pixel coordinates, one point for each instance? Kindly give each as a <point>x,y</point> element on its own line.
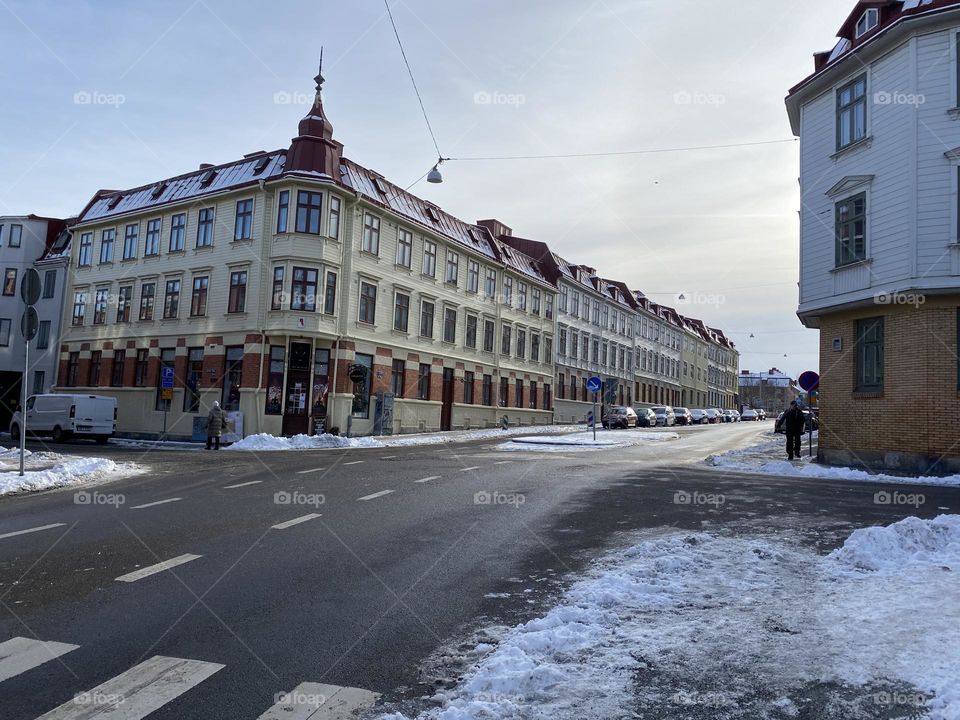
<point>233,427</point>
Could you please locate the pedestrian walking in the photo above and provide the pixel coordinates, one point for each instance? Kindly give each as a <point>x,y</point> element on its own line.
<point>794,423</point>
<point>214,426</point>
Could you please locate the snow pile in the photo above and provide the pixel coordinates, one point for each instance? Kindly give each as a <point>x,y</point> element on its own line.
<point>699,625</point>
<point>263,441</point>
<point>766,458</point>
<point>44,471</point>
<point>457,436</point>
<point>585,441</point>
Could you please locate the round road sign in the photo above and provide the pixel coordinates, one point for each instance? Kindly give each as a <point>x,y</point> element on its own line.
<point>30,286</point>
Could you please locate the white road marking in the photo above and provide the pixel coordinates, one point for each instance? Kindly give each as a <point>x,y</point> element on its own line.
<point>243,484</point>
<point>503,462</point>
<point>428,479</point>
<point>137,692</point>
<point>158,502</point>
<point>316,701</point>
<point>296,521</point>
<point>21,654</point>
<point>387,457</point>
<point>159,567</point>
<point>376,495</point>
<point>355,462</point>
<point>467,469</point>
<point>311,470</point>
<point>31,530</point>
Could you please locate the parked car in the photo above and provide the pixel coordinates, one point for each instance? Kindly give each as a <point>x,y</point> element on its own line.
<point>749,415</point>
<point>713,416</point>
<point>811,422</point>
<point>646,417</point>
<point>665,416</point>
<point>65,416</point>
<point>730,416</point>
<point>683,416</point>
<point>620,417</point>
<point>699,417</point>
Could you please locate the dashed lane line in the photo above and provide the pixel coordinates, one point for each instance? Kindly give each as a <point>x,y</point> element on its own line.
<point>375,495</point>
<point>158,502</point>
<point>243,484</point>
<point>159,567</point>
<point>296,521</point>
<point>31,530</point>
<point>468,469</point>
<point>311,470</point>
<point>427,479</point>
<point>354,462</point>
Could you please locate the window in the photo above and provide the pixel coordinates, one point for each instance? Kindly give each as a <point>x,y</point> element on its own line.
<point>453,268</point>
<point>119,365</point>
<point>564,294</point>
<point>852,112</point>
<point>5,332</point>
<point>106,245</point>
<point>193,380</point>
<point>574,344</point>
<point>330,294</point>
<point>243,224</point>
<point>171,300</point>
<point>39,381</point>
<point>429,258</point>
<point>276,302</point>
<point>449,325</point>
<point>368,303</point>
<point>535,301</point>
<point>563,342</point>
<point>100,306</point>
<point>123,303</point>
<point>85,258</point>
<point>868,21</point>
<point>303,289</point>
<point>140,368</point>
<point>870,355</point>
<point>283,211</point>
<point>131,236</point>
<point>507,291</point>
<point>93,372</point>
<point>43,335</point>
<point>178,232</point>
<point>333,230</point>
<point>488,332</point>
<point>168,357</point>
<point>198,301</point>
<point>398,378</point>
<point>548,350</point>
<point>274,401</point>
<point>533,395</point>
<point>237,301</point>
<point>851,223</point>
<point>232,378</point>
<point>487,390</point>
<point>426,319</point>
<point>503,391</point>
<point>547,399</point>
<point>575,304</point>
<point>205,227</point>
<point>521,343</point>
<point>471,336</point>
<point>549,306</point>
<point>534,347</point>
<point>522,296</point>
<point>401,312</point>
<point>490,283</point>
<point>79,307</point>
<point>423,382</point>
<point>404,248</point>
<point>371,234</point>
<point>147,292</point>
<point>152,240</point>
<point>308,212</point>
<point>73,369</point>
<point>505,340</point>
<point>10,282</point>
<point>14,236</point>
<point>473,276</point>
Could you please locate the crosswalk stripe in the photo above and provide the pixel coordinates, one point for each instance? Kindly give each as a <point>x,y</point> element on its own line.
<point>158,502</point>
<point>31,530</point>
<point>159,567</point>
<point>136,693</point>
<point>316,701</point>
<point>20,654</point>
<point>375,495</point>
<point>311,470</point>
<point>427,479</point>
<point>296,521</point>
<point>243,484</point>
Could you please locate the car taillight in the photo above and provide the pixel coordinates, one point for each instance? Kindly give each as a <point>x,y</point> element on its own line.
<point>73,411</point>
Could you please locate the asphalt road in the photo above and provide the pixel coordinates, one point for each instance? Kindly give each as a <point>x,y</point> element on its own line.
<point>396,553</point>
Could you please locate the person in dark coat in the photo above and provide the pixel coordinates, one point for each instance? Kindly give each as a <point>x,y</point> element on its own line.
<point>794,423</point>
<point>214,426</point>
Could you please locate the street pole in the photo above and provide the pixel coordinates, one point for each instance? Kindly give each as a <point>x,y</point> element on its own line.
<point>23,404</point>
<point>595,417</point>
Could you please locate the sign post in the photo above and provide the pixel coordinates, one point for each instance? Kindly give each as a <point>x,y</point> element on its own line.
<point>810,382</point>
<point>593,385</point>
<point>166,393</point>
<point>29,293</point>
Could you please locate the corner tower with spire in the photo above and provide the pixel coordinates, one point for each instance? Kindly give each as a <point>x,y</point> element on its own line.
<point>314,149</point>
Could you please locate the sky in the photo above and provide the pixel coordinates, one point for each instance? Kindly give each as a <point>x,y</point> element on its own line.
<point>111,94</point>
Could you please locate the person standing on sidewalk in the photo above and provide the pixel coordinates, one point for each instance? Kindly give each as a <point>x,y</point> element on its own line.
<point>214,426</point>
<point>794,423</point>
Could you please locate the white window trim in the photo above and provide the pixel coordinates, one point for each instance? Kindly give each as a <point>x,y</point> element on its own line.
<point>868,13</point>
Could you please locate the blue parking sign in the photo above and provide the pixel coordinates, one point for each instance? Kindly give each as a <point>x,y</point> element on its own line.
<point>166,378</point>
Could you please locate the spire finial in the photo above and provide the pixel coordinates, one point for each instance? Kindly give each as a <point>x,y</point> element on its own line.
<point>319,77</point>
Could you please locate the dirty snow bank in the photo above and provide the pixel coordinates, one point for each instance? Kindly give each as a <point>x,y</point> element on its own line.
<point>742,627</point>
<point>584,441</point>
<point>263,441</point>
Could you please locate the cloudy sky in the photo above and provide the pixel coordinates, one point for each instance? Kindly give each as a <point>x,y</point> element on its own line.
<point>112,94</point>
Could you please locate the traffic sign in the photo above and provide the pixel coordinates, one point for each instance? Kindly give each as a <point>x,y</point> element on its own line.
<point>30,286</point>
<point>166,378</point>
<point>809,380</point>
<point>29,323</point>
<point>594,384</point>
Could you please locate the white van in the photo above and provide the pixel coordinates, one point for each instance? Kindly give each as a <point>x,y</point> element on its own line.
<point>65,416</point>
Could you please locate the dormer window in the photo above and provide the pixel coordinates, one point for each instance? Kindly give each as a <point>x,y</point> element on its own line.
<point>261,165</point>
<point>380,185</point>
<point>208,177</point>
<point>868,21</point>
<point>432,212</point>
<point>158,190</point>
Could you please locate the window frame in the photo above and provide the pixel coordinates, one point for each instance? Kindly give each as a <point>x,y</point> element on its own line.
<point>370,237</point>
<point>108,236</point>
<point>199,294</point>
<point>237,297</point>
<point>404,248</point>
<point>178,233</point>
<point>205,222</point>
<point>428,267</point>
<point>367,303</point>
<point>283,212</point>
<point>862,348</point>
<point>19,235</point>
<point>308,212</point>
<point>85,253</point>
<point>842,108</point>
<point>308,301</point>
<point>426,331</point>
<point>243,220</point>
<point>401,311</point>
<point>850,224</point>
<point>131,241</point>
<point>172,289</point>
<point>151,239</point>
<point>147,301</point>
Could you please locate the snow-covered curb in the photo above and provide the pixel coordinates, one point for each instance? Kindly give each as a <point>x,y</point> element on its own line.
<point>761,626</point>
<point>44,471</point>
<point>760,459</point>
<point>606,439</point>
